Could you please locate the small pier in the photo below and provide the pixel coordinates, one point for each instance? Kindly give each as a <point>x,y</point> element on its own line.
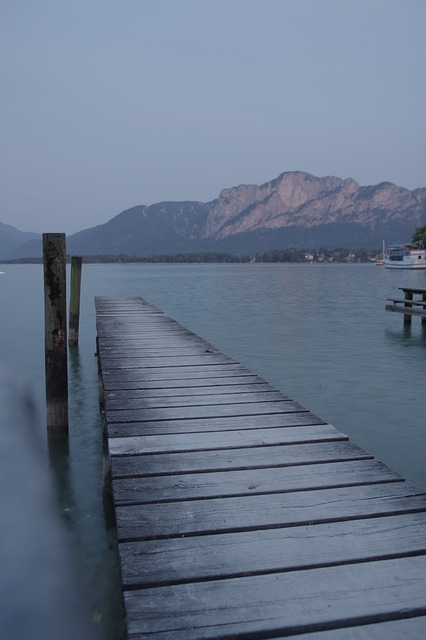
<point>239,513</point>
<point>412,304</point>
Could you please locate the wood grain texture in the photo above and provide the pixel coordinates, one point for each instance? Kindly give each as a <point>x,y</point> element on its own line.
<point>165,361</point>
<point>194,517</point>
<point>292,602</point>
<point>191,388</point>
<point>189,392</point>
<point>164,384</point>
<point>185,400</point>
<point>207,373</point>
<point>245,483</point>
<point>386,630</point>
<point>210,440</point>
<point>178,560</point>
<point>234,423</point>
<point>234,459</point>
<point>188,412</point>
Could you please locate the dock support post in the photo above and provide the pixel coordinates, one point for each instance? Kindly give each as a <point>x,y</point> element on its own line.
<point>407,316</point>
<point>55,333</point>
<point>74,313</point>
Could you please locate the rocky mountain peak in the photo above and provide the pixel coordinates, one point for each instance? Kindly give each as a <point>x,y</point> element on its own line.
<point>277,203</point>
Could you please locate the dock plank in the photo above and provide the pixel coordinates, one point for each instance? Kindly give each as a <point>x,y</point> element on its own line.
<point>208,373</point>
<point>123,384</point>
<point>190,391</point>
<point>236,459</point>
<point>196,425</point>
<point>412,311</point>
<point>243,483</point>
<point>203,411</point>
<point>219,515</point>
<point>295,602</point>
<point>211,441</point>
<point>167,361</point>
<point>178,560</point>
<point>385,630</point>
<point>192,400</point>
<point>150,389</point>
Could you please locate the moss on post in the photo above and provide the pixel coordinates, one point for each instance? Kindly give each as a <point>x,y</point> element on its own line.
<point>55,333</point>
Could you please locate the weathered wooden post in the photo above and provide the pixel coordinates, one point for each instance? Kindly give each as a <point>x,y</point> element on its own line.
<point>408,296</point>
<point>74,314</point>
<point>55,333</point>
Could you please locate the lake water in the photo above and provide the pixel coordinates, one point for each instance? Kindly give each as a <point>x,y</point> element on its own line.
<point>320,333</point>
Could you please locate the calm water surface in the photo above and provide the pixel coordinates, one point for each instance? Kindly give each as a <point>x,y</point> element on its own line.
<point>319,333</point>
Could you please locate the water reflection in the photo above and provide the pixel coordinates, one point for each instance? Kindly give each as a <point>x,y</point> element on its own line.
<point>320,333</point>
<point>59,459</point>
<point>76,463</point>
<point>407,336</point>
<point>74,364</point>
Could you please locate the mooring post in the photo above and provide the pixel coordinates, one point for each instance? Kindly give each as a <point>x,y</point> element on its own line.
<point>55,333</point>
<point>74,315</point>
<point>408,297</point>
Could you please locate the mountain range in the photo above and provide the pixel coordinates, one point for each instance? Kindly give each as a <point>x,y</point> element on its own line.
<point>296,209</point>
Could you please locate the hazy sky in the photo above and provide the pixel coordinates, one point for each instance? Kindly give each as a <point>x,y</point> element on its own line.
<point>106,104</point>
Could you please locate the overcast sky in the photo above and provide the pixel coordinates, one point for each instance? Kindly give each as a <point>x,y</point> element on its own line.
<point>107,104</point>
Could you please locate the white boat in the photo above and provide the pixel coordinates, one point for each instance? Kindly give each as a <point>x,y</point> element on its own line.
<point>410,255</point>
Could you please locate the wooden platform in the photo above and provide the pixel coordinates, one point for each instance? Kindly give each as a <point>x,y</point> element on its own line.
<point>409,305</point>
<point>239,513</point>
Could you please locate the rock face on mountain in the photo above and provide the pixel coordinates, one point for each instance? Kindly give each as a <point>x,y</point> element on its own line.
<point>298,199</point>
<point>296,209</point>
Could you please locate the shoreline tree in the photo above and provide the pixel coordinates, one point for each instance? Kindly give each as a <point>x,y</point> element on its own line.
<point>419,235</point>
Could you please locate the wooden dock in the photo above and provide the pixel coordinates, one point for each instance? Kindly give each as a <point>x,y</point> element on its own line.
<point>409,305</point>
<point>239,513</point>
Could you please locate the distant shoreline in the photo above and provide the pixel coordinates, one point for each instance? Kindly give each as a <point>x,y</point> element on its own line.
<point>288,255</point>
